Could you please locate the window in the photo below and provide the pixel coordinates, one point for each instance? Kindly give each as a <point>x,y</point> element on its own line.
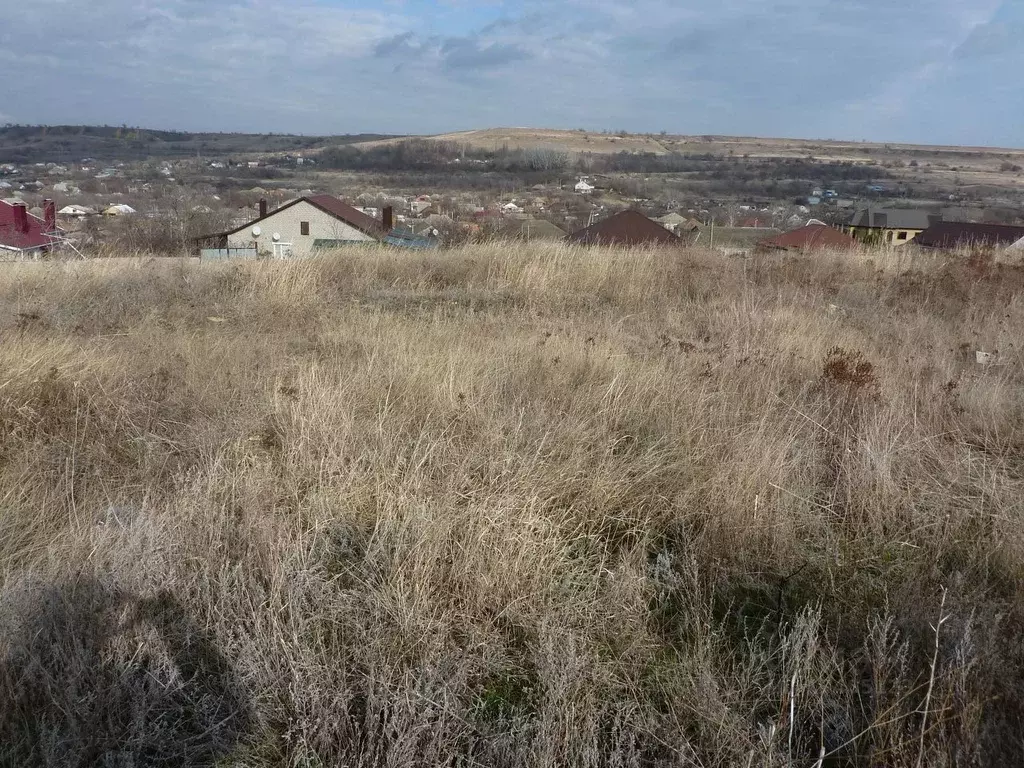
<point>901,236</point>
<point>303,227</point>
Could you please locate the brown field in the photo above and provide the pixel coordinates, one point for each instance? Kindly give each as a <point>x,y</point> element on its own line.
<point>985,161</point>
<point>979,174</point>
<point>512,506</point>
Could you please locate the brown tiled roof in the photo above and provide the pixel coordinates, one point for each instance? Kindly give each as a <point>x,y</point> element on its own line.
<point>342,210</point>
<point>811,237</point>
<point>954,234</point>
<point>625,228</point>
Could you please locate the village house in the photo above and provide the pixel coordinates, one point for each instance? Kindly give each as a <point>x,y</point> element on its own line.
<point>896,226</point>
<point>676,222</point>
<point>22,234</point>
<point>954,235</point>
<point>625,228</point>
<point>302,226</point>
<point>584,187</point>
<point>531,230</point>
<point>118,209</point>
<point>76,211</point>
<point>420,205</point>
<point>814,236</point>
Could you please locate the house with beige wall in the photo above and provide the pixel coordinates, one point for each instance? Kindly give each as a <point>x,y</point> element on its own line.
<point>889,226</point>
<point>302,226</point>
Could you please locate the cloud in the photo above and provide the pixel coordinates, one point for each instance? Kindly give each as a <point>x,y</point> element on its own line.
<point>399,45</point>
<point>818,68</point>
<point>458,54</point>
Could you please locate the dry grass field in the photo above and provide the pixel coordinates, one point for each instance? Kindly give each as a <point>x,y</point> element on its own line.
<point>512,506</point>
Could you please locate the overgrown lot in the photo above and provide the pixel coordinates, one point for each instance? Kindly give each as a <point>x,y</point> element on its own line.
<point>512,507</point>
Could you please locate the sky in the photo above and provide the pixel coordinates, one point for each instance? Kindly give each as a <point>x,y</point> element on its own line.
<point>925,71</point>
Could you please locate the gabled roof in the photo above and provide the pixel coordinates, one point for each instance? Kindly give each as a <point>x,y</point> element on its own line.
<point>625,228</point>
<point>118,209</point>
<point>954,234</point>
<point>533,229</point>
<point>345,212</point>
<point>12,237</point>
<point>75,210</point>
<point>809,238</point>
<point>678,221</point>
<point>329,205</point>
<point>892,218</point>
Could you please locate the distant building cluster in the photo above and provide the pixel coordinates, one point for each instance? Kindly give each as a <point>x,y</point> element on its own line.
<point>582,209</point>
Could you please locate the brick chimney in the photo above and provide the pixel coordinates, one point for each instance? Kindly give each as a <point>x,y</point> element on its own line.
<point>21,218</point>
<point>388,218</point>
<point>263,207</point>
<point>50,215</point>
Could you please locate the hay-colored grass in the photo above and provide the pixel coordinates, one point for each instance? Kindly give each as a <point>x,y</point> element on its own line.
<point>511,506</point>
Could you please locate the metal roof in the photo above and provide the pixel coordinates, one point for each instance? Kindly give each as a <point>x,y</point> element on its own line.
<point>404,237</point>
<point>625,228</point>
<point>13,238</point>
<point>808,238</point>
<point>955,234</point>
<point>892,218</point>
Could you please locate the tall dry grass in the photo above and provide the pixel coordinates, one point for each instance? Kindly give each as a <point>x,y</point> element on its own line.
<point>512,506</point>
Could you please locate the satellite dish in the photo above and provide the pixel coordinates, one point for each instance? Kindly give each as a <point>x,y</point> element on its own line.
<point>276,237</point>
<point>256,231</point>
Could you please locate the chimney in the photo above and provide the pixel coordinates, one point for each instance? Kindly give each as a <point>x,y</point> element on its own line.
<point>263,207</point>
<point>50,215</point>
<point>20,218</point>
<point>388,218</point>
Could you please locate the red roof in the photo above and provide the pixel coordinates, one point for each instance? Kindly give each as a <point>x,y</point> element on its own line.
<point>11,237</point>
<point>625,228</point>
<point>811,237</point>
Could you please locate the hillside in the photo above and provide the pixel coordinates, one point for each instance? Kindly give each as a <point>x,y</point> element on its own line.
<point>21,144</point>
<point>72,143</point>
<point>606,142</point>
<point>512,506</point>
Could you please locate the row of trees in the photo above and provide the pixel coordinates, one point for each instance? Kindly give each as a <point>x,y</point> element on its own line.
<point>424,156</point>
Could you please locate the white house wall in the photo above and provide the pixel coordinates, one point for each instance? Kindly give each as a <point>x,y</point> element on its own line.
<point>322,226</point>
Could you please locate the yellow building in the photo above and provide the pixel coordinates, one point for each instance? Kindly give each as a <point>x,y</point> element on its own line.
<point>892,226</point>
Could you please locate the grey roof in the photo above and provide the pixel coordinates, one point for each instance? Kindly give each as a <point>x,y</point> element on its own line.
<point>892,218</point>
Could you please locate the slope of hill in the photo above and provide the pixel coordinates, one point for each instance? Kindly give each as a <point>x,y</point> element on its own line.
<point>69,143</point>
<point>605,142</point>
<point>545,139</point>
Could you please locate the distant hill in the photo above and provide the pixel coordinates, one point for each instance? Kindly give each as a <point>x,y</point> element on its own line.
<point>495,139</point>
<point>606,142</point>
<point>71,143</point>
